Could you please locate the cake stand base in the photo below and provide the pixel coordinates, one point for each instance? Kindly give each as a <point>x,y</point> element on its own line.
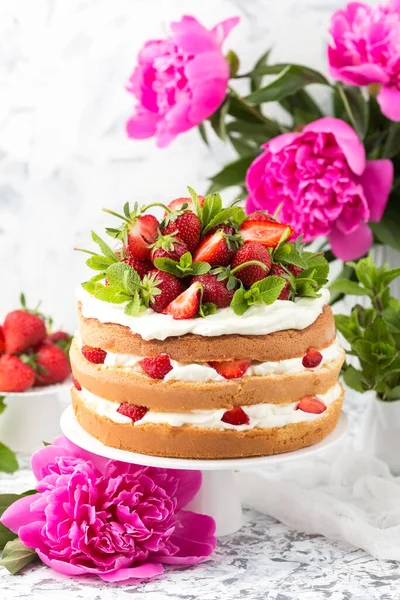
<point>218,495</point>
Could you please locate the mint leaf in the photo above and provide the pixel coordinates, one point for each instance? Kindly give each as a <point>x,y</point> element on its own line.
<point>390,276</point>
<point>106,250</point>
<point>8,461</point>
<point>233,213</point>
<point>106,293</point>
<point>288,255</point>
<point>123,276</point>
<point>2,404</point>
<point>183,268</point>
<point>196,203</point>
<point>353,379</point>
<point>239,303</point>
<point>200,268</point>
<point>269,288</point>
<point>134,307</point>
<point>169,266</point>
<point>186,260</point>
<point>16,556</point>
<point>345,286</point>
<point>208,308</point>
<point>211,208</point>
<point>99,263</point>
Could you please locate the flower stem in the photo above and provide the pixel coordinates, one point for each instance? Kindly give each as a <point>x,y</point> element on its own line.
<point>248,107</point>
<point>346,104</point>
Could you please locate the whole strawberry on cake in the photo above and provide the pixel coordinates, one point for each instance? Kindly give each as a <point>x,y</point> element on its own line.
<point>207,334</point>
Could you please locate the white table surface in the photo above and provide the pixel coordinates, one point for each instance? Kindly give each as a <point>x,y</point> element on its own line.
<point>264,561</point>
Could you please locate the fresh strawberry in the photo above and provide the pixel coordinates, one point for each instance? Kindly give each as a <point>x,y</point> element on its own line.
<point>216,248</point>
<point>215,291</point>
<point>22,330</point>
<point>235,416</point>
<point>186,304</point>
<point>161,289</point>
<point>280,272</point>
<point>262,228</point>
<point>310,404</point>
<point>76,383</point>
<point>178,203</point>
<point>52,365</point>
<point>141,266</point>
<point>96,356</point>
<point>156,366</point>
<point>186,226</point>
<point>2,341</point>
<point>252,273</point>
<point>15,375</point>
<point>312,358</point>
<point>228,229</point>
<point>168,246</point>
<point>141,234</point>
<point>294,270</point>
<point>133,411</point>
<point>58,336</point>
<point>231,369</point>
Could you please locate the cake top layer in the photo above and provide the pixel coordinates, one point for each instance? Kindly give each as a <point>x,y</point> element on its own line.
<point>203,269</point>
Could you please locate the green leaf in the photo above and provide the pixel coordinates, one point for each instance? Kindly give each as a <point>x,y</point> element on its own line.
<point>288,254</point>
<point>243,147</point>
<point>291,79</point>
<point>255,80</point>
<point>257,132</point>
<point>344,286</point>
<point>364,351</point>
<point>16,556</point>
<point>169,266</point>
<point>377,331</point>
<point>269,288</point>
<point>353,378</point>
<point>8,461</point>
<point>355,108</point>
<point>239,303</point>
<point>242,111</point>
<point>106,293</point>
<point>233,61</point>
<point>208,308</point>
<point>217,120</point>
<point>200,268</point>
<point>234,213</point>
<point>99,263</point>
<point>134,307</point>
<point>390,276</point>
<point>211,207</point>
<point>394,394</point>
<point>2,404</point>
<point>106,250</point>
<point>5,501</point>
<point>123,276</point>
<point>232,174</point>
<point>203,134</point>
<point>196,202</point>
<point>391,147</point>
<point>302,108</point>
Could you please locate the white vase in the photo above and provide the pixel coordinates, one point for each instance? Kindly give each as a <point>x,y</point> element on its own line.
<point>379,434</point>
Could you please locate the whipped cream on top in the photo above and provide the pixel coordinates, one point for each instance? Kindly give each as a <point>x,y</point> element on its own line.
<point>204,372</point>
<point>259,319</point>
<point>262,416</point>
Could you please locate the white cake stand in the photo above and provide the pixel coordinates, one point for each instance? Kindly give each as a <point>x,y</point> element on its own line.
<point>33,417</point>
<point>218,495</point>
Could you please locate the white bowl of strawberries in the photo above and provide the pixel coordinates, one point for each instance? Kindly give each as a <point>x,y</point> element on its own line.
<point>34,372</point>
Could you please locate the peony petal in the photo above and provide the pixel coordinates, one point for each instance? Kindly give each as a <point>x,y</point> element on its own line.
<point>142,125</point>
<point>30,535</point>
<point>346,138</point>
<point>64,567</point>
<point>223,29</point>
<point>389,101</point>
<point>353,246</point>
<point>377,181</point>
<point>43,457</point>
<point>18,514</point>
<point>206,66</point>
<point>192,37</point>
<point>195,539</point>
<point>358,74</point>
<point>189,485</point>
<point>62,447</point>
<point>280,141</point>
<point>145,571</point>
<point>251,205</point>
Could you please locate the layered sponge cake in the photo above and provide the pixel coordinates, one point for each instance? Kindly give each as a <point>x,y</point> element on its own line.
<point>223,348</point>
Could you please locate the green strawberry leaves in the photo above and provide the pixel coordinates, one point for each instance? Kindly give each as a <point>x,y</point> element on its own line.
<point>265,291</point>
<point>212,214</point>
<point>184,268</point>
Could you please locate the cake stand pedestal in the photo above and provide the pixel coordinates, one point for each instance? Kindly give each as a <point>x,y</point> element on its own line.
<point>218,495</point>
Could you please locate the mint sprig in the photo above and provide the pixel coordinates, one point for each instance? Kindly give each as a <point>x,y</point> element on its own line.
<point>184,268</point>
<point>265,291</point>
<point>212,213</point>
<point>373,333</point>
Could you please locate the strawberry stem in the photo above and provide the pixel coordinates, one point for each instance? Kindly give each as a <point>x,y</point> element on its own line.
<point>168,210</point>
<point>114,214</point>
<point>87,251</point>
<point>278,210</point>
<point>248,264</point>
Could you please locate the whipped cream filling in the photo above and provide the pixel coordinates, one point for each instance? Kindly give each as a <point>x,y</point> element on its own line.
<point>203,372</point>
<point>262,416</point>
<point>259,319</point>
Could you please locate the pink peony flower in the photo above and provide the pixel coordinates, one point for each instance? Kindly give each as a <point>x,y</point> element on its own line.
<point>179,81</point>
<point>365,48</point>
<point>112,519</point>
<point>325,184</point>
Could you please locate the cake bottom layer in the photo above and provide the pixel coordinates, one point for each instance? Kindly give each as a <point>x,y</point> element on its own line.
<point>190,442</point>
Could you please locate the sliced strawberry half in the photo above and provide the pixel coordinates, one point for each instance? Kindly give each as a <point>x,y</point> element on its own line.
<point>231,369</point>
<point>264,229</point>
<point>76,383</point>
<point>215,249</point>
<point>96,356</point>
<point>312,358</point>
<point>186,304</point>
<point>133,411</point>
<point>310,404</point>
<point>141,234</point>
<point>178,203</point>
<point>2,341</point>
<point>235,416</point>
<point>157,366</point>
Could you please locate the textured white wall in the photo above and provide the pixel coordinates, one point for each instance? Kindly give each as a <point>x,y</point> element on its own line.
<point>63,150</point>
